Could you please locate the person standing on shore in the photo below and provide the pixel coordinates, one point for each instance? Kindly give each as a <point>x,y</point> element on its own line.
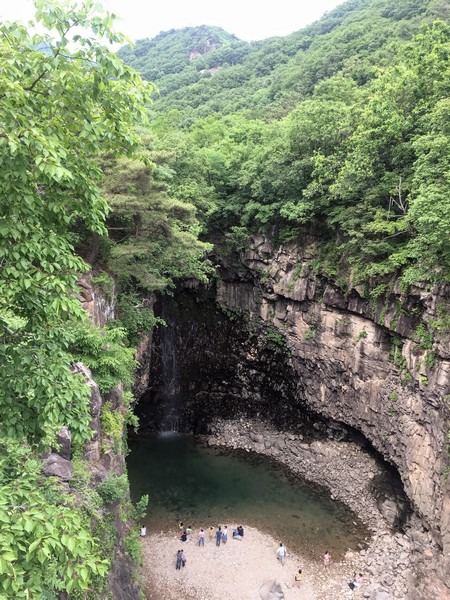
<point>218,535</point>
<point>183,558</point>
<point>201,538</point>
<point>178,563</point>
<point>281,554</point>
<point>326,560</point>
<point>211,533</point>
<point>225,535</point>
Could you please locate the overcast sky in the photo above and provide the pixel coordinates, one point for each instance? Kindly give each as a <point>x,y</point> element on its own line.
<point>248,19</point>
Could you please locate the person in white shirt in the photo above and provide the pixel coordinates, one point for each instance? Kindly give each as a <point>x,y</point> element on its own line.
<point>281,554</point>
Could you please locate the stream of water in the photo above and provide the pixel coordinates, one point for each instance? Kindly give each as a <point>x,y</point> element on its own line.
<point>205,486</point>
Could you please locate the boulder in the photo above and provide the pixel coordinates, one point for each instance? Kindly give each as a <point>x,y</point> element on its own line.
<point>271,590</point>
<point>63,443</point>
<point>58,466</point>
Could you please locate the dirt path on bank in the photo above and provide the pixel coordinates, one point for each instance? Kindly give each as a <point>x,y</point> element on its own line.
<point>237,570</point>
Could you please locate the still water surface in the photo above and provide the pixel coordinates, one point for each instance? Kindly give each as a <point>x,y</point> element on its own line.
<point>202,486</point>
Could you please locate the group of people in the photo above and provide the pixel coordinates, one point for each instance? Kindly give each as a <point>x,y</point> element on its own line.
<point>357,581</point>
<point>181,559</point>
<point>220,535</point>
<point>281,556</point>
<point>185,532</point>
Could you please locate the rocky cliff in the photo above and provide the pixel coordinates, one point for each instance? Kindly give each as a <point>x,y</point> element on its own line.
<point>273,341</point>
<point>381,366</point>
<point>102,460</point>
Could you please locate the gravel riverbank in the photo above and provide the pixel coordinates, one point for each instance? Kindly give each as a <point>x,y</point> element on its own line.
<point>239,570</point>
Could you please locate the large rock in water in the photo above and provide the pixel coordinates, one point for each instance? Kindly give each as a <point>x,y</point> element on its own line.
<point>271,590</point>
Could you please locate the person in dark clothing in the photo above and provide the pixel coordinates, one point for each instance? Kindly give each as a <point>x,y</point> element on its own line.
<point>218,536</point>
<point>183,558</point>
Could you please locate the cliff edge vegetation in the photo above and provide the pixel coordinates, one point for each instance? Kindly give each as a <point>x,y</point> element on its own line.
<point>338,132</point>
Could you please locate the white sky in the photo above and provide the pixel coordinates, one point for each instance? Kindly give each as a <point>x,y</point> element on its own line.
<point>248,19</point>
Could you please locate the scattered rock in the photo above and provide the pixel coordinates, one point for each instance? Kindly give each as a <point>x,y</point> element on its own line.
<point>58,466</point>
<point>271,590</point>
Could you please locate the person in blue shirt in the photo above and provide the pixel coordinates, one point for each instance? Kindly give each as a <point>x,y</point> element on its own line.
<point>218,536</point>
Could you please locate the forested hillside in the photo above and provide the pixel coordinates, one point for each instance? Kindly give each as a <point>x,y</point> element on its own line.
<point>224,74</point>
<point>337,135</point>
<point>339,131</point>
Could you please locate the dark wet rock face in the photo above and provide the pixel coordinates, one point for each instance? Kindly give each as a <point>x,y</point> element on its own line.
<point>211,362</point>
<point>391,500</point>
<point>272,341</point>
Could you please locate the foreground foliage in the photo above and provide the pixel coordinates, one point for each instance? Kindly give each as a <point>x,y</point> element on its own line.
<point>65,99</point>
<point>45,539</point>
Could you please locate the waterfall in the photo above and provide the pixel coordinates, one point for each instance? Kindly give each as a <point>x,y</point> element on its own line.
<point>170,384</point>
<point>104,308</point>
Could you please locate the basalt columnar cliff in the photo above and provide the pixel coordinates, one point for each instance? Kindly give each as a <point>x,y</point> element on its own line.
<point>276,359</point>
<point>318,164</point>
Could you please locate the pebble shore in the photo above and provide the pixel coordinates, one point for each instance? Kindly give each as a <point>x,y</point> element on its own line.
<point>244,570</point>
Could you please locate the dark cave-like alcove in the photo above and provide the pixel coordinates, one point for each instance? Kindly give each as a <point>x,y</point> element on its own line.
<point>208,362</point>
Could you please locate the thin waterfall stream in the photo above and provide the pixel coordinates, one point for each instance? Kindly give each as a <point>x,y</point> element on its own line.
<point>170,393</point>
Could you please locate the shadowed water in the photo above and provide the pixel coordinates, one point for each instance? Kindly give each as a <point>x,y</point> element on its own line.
<point>202,486</point>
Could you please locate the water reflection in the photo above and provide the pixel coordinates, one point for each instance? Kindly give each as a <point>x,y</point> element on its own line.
<point>204,486</point>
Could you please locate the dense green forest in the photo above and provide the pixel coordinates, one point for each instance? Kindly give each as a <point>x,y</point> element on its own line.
<point>338,132</point>
<point>337,136</point>
<point>78,183</point>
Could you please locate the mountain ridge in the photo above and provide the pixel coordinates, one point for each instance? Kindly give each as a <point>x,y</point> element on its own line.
<point>351,37</point>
